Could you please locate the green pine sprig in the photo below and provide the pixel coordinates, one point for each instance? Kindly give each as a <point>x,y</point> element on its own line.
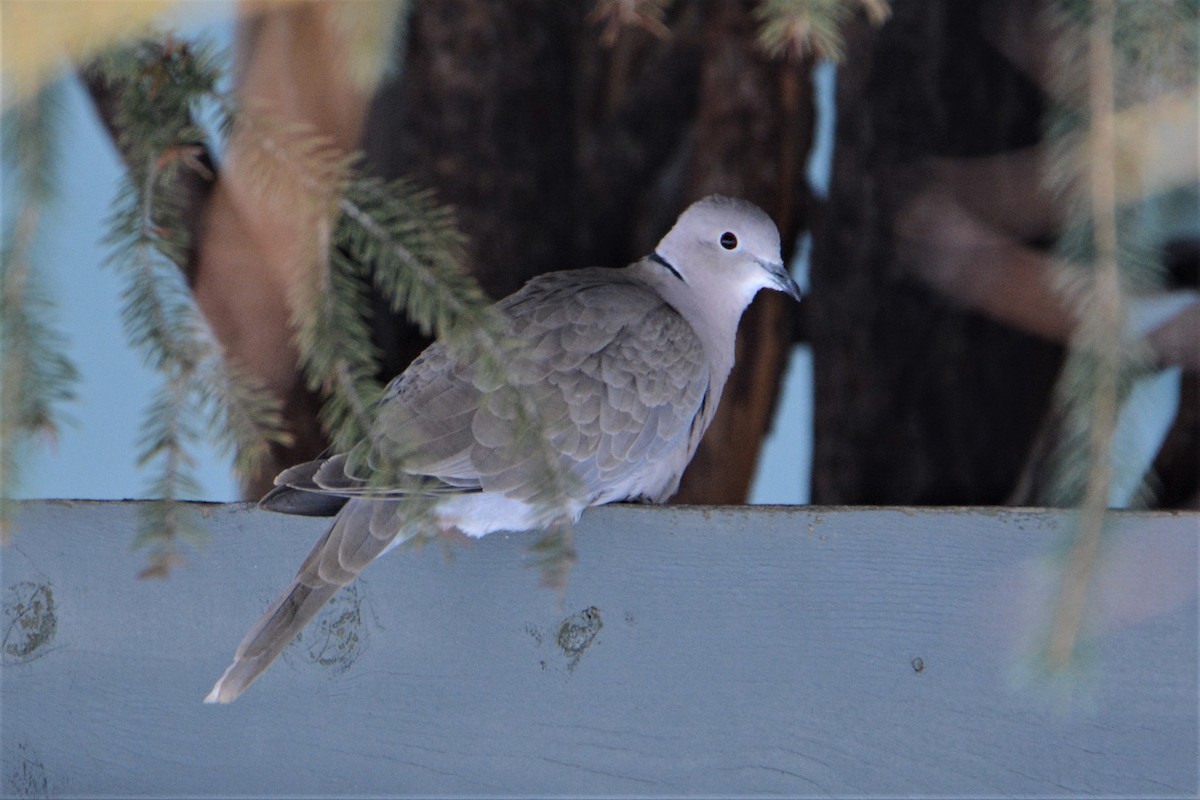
<point>161,85</point>
<point>37,377</point>
<point>798,28</point>
<point>395,236</point>
<point>415,253</point>
<point>364,232</point>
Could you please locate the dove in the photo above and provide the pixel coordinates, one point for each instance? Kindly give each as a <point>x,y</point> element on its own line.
<point>625,368</point>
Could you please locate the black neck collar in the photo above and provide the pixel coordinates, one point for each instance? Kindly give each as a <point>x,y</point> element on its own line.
<point>657,259</point>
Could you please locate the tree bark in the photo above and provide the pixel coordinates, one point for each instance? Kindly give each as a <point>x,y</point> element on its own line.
<point>932,275</point>
<point>752,133</point>
<point>556,152</point>
<point>917,401</point>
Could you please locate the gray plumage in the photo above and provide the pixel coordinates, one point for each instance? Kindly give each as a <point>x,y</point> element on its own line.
<point>625,368</point>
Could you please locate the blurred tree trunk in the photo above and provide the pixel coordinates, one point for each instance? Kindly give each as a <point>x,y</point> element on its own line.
<point>1176,473</point>
<point>935,319</point>
<point>556,150</point>
<point>559,152</point>
<point>917,401</point>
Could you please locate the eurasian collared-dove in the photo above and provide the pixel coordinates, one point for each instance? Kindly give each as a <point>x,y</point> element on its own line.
<point>625,367</point>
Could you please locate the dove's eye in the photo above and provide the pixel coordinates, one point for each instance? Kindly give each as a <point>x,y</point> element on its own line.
<point>728,240</point>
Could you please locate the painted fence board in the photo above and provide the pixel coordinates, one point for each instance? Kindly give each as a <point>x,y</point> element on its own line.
<point>711,651</point>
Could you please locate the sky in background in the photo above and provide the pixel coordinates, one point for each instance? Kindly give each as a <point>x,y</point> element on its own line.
<point>94,457</point>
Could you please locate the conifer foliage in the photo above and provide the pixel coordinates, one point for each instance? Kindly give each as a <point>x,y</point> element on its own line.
<point>36,377</point>
<point>392,234</point>
<point>162,83</point>
<point>363,236</point>
<point>362,232</point>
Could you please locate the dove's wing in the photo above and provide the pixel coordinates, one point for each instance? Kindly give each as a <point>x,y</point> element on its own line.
<point>618,380</point>
<point>621,368</point>
<point>616,376</point>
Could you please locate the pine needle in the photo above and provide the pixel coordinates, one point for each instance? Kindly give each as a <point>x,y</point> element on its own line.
<point>360,231</point>
<point>36,376</point>
<point>1102,333</point>
<point>160,85</point>
<point>796,29</point>
<point>1110,55</point>
<point>394,235</point>
<point>414,249</point>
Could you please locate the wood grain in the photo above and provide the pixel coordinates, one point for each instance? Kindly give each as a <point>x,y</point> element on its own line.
<point>717,651</point>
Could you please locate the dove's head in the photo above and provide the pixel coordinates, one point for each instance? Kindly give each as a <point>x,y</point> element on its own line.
<point>727,249</point>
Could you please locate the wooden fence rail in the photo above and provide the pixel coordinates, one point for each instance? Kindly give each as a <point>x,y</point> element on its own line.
<point>695,651</point>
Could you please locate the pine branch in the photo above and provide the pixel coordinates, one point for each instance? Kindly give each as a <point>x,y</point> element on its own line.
<point>36,376</point>
<point>1101,334</point>
<point>396,236</point>
<point>303,175</point>
<point>242,413</point>
<point>795,29</point>
<point>421,274</point>
<point>554,554</point>
<point>1108,255</point>
<point>109,83</point>
<point>159,320</point>
<point>336,351</point>
<point>414,251</point>
<point>361,230</point>
<point>150,240</point>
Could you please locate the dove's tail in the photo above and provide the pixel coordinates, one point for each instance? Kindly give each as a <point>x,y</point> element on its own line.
<point>285,618</point>
<point>355,539</point>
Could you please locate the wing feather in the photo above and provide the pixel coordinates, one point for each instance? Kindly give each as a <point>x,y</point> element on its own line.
<point>617,377</point>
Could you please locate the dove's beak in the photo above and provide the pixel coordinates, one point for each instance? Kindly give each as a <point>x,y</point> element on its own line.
<point>781,279</point>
